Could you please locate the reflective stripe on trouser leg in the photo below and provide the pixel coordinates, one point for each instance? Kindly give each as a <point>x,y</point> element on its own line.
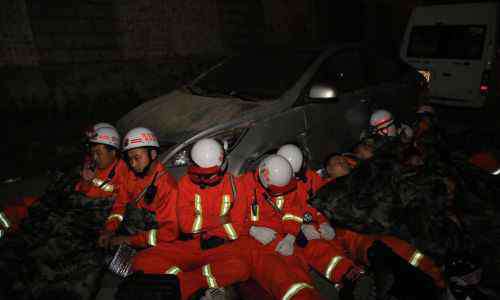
<point>207,272</point>
<point>331,266</point>
<point>4,221</point>
<point>295,289</point>
<point>416,258</point>
<point>174,270</point>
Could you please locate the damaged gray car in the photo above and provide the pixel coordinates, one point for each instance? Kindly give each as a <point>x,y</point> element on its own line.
<point>320,99</point>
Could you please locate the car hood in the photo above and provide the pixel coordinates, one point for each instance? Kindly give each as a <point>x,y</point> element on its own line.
<point>180,114</point>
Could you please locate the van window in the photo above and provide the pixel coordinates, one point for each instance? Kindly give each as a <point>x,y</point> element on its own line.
<point>447,41</point>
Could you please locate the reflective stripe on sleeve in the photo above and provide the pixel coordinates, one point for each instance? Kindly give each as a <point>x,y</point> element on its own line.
<point>254,218</point>
<point>416,258</point>
<point>174,270</point>
<point>116,216</point>
<point>152,237</point>
<point>295,289</point>
<point>290,217</point>
<point>103,185</point>
<point>231,233</point>
<point>4,221</point>
<point>331,266</point>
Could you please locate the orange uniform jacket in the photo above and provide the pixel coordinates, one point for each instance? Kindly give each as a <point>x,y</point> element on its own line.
<point>200,210</point>
<point>106,183</point>
<point>163,205</point>
<point>284,216</point>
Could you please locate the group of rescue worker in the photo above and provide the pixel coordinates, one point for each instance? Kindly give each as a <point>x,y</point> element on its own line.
<point>213,229</point>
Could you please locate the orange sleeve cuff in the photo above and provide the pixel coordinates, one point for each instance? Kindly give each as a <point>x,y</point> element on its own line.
<point>112,225</point>
<point>139,240</point>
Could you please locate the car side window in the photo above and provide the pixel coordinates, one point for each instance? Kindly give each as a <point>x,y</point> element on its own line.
<point>343,71</point>
<point>381,69</point>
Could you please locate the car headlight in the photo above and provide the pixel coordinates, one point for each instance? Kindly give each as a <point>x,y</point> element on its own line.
<point>229,139</point>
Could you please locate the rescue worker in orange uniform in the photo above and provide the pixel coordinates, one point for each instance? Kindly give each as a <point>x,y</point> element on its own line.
<point>331,260</point>
<point>104,173</point>
<point>275,223</point>
<point>205,257</point>
<point>216,250</point>
<point>101,175</point>
<point>322,252</point>
<point>147,186</point>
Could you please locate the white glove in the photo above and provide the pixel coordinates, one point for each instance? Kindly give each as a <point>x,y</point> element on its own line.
<point>310,232</point>
<point>327,231</point>
<point>285,246</point>
<point>263,234</point>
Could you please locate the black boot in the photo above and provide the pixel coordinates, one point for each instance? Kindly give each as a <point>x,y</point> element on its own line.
<point>357,285</point>
<point>396,277</point>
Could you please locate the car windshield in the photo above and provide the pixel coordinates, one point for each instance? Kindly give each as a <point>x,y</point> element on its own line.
<point>447,41</point>
<point>259,76</point>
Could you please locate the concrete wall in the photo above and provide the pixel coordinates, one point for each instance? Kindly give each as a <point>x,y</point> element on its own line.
<point>73,55</point>
<point>16,38</point>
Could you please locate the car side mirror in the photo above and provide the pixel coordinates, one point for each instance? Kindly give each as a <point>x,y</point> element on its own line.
<point>323,92</point>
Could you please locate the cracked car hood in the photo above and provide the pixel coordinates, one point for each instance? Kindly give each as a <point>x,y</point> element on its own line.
<point>178,114</point>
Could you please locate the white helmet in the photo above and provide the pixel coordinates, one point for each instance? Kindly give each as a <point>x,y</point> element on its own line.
<point>207,153</point>
<point>275,170</point>
<point>103,125</point>
<point>139,137</point>
<point>293,154</point>
<point>382,123</point>
<point>106,136</point>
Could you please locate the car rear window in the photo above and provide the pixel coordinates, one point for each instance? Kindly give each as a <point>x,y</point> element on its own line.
<point>262,74</point>
<point>447,41</point>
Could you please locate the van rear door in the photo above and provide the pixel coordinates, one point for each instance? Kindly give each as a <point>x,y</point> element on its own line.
<point>452,54</point>
<point>453,46</point>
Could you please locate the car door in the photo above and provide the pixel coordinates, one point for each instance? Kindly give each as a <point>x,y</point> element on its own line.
<point>335,125</point>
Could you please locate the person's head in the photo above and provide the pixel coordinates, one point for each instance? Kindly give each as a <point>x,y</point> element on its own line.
<point>294,155</point>
<point>141,150</point>
<point>337,165</point>
<point>382,123</point>
<point>208,163</point>
<point>364,150</point>
<point>275,174</point>
<point>104,145</point>
<point>406,134</point>
<point>426,118</point>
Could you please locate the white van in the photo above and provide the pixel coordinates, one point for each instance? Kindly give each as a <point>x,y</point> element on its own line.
<point>454,47</point>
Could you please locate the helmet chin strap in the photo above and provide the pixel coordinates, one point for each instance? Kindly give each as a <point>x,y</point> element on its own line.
<point>203,184</point>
